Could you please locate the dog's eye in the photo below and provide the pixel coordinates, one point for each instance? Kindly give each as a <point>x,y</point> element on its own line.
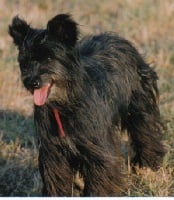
<point>23,66</point>
<point>49,59</point>
<point>24,70</point>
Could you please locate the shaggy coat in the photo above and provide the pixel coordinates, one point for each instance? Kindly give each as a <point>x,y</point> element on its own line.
<point>85,93</point>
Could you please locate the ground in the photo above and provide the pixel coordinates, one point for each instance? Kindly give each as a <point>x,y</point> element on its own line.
<point>148,24</point>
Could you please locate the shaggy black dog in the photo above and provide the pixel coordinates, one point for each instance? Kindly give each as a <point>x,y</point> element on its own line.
<point>85,93</point>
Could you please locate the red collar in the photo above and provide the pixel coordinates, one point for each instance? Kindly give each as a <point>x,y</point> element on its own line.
<point>59,122</point>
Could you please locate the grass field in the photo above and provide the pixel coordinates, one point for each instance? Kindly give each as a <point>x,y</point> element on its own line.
<point>147,23</point>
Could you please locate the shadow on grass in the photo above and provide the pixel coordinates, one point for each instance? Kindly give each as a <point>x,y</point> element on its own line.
<point>14,125</point>
<point>19,174</point>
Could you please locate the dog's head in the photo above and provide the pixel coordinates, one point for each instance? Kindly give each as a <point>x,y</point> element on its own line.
<point>45,56</point>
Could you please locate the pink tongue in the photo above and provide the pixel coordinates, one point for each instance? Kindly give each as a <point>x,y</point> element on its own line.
<point>40,95</point>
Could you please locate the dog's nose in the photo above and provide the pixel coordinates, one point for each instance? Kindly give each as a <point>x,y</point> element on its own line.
<point>36,83</point>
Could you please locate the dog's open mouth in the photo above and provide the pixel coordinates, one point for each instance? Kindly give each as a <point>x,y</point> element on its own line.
<point>40,95</point>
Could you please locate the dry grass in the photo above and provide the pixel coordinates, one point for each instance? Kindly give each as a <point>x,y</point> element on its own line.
<point>148,24</point>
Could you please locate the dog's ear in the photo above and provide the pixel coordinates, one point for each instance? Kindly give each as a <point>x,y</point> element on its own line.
<point>18,30</point>
<point>63,29</point>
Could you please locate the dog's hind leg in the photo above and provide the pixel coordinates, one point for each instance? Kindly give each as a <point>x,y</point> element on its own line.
<point>145,127</point>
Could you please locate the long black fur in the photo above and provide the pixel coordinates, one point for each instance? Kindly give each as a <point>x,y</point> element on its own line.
<point>100,86</point>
